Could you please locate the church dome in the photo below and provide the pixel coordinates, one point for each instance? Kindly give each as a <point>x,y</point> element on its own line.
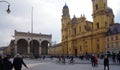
<point>65,7</point>
<point>110,10</point>
<point>113,29</point>
<point>65,10</point>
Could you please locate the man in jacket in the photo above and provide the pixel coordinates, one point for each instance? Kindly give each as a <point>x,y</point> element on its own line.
<point>106,63</point>
<point>18,62</point>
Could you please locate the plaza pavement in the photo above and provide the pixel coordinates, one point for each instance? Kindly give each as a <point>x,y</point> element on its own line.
<point>48,64</point>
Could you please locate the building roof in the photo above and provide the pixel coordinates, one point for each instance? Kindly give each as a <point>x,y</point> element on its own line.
<point>113,29</point>
<point>56,45</point>
<point>32,34</point>
<point>2,48</point>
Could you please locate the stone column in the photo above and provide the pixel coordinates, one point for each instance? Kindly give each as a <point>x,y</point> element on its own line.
<point>40,49</point>
<point>15,47</point>
<point>28,49</point>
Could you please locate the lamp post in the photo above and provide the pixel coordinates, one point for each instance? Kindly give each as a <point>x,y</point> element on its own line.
<point>8,10</point>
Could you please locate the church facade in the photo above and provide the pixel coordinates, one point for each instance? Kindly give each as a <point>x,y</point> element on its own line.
<point>80,36</point>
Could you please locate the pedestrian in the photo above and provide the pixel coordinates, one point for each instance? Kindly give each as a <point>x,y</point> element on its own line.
<point>114,58</point>
<point>7,64</point>
<point>1,63</point>
<point>44,57</point>
<point>118,57</point>
<point>71,59</point>
<point>63,59</point>
<point>106,63</point>
<point>96,61</point>
<point>92,61</point>
<point>59,59</point>
<point>18,62</point>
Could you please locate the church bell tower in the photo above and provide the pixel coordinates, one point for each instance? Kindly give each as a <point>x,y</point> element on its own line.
<point>65,19</point>
<point>103,16</point>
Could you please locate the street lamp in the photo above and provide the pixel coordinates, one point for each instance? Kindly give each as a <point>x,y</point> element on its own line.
<point>8,10</point>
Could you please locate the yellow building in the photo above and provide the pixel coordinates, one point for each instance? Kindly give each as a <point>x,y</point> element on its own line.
<point>112,39</point>
<point>80,36</point>
<point>55,49</point>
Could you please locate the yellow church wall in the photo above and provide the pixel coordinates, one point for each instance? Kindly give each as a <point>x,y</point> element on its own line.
<point>91,41</point>
<point>80,36</point>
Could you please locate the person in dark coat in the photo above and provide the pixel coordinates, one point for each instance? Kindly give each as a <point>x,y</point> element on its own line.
<point>92,61</point>
<point>7,64</point>
<point>71,59</point>
<point>18,62</point>
<point>106,63</point>
<point>1,63</point>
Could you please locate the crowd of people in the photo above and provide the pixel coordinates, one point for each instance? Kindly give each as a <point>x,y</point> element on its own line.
<point>6,64</point>
<point>93,58</point>
<point>116,58</point>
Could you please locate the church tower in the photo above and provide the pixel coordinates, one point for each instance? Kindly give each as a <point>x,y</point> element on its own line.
<point>65,19</point>
<point>103,16</point>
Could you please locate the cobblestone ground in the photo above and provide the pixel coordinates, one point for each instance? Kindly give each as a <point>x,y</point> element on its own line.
<point>52,65</point>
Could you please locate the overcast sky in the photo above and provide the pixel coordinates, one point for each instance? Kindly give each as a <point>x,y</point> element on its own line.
<point>46,16</point>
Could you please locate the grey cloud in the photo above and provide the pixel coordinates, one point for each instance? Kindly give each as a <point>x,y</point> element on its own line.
<point>117,17</point>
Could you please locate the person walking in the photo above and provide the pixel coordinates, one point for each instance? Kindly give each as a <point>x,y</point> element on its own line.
<point>118,57</point>
<point>106,63</point>
<point>1,63</point>
<point>92,61</point>
<point>114,58</point>
<point>18,62</point>
<point>71,59</point>
<point>96,60</point>
<point>7,64</point>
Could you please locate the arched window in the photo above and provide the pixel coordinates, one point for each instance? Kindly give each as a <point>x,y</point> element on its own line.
<point>96,6</point>
<point>79,28</point>
<point>105,24</point>
<point>97,25</point>
<point>116,37</point>
<point>74,31</point>
<point>80,48</point>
